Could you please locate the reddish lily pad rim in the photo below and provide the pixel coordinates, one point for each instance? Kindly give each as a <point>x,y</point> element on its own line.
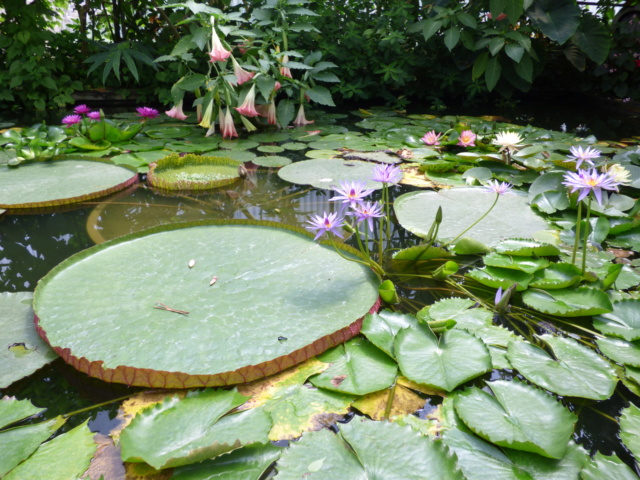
<point>145,377</point>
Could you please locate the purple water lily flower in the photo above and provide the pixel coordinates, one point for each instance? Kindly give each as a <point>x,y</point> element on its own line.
<point>328,222</point>
<point>367,211</point>
<point>352,192</point>
<point>499,188</point>
<point>387,173</point>
<point>94,115</point>
<point>587,155</point>
<point>147,113</point>
<point>590,181</point>
<point>71,120</point>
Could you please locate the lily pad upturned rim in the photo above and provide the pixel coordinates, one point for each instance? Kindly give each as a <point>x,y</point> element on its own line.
<point>147,377</point>
<point>45,206</point>
<point>175,162</point>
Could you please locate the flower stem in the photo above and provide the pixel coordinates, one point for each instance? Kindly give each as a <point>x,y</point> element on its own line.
<point>577,239</point>
<point>586,235</point>
<point>476,222</point>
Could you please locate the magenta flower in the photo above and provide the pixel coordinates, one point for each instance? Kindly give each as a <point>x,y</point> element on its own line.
<point>590,181</point>
<point>587,155</point>
<point>431,138</point>
<point>176,112</point>
<point>218,52</point>
<point>326,223</point>
<point>499,188</point>
<point>95,115</point>
<point>248,107</point>
<point>387,173</point>
<point>82,110</point>
<point>227,126</point>
<point>367,211</point>
<point>352,192</point>
<point>147,113</point>
<point>71,120</point>
<point>301,120</point>
<point>467,139</point>
<point>241,74</point>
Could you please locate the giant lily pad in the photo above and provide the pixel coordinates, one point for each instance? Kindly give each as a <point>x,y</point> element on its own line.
<point>193,172</point>
<point>23,351</point>
<point>59,182</point>
<point>328,172</point>
<point>461,207</point>
<point>277,299</point>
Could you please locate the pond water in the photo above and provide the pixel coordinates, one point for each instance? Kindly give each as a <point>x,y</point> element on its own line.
<point>31,244</point>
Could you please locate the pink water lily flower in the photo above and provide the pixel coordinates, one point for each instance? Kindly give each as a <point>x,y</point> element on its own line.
<point>147,113</point>
<point>227,126</point>
<point>248,107</point>
<point>81,110</point>
<point>176,112</point>
<point>467,139</point>
<point>499,188</point>
<point>241,74</point>
<point>95,115</point>
<point>218,53</point>
<point>71,120</point>
<point>431,138</point>
<point>301,120</point>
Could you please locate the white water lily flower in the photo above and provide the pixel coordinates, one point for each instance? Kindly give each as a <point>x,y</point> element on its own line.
<point>511,141</point>
<point>620,174</point>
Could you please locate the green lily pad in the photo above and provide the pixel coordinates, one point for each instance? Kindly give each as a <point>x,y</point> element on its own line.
<point>328,173</point>
<point>183,431</point>
<point>66,456</point>
<point>12,410</point>
<point>271,161</point>
<point>357,367</point>
<point>461,207</point>
<point>512,416</point>
<point>381,328</point>
<point>621,351</point>
<point>630,428</point>
<point>297,298</point>
<point>526,247</point>
<point>456,357</point>
<point>496,277</point>
<point>379,157</point>
<point>59,182</point>
<point>270,149</point>
<point>568,302</point>
<point>25,352</point>
<point>294,146</point>
<point>557,275</point>
<point>317,154</point>
<point>603,467</point>
<point>193,172</point>
<point>168,132</point>
<point>524,264</point>
<point>243,144</point>
<point>268,137</point>
<point>573,371</point>
<point>375,450</point>
<point>623,321</point>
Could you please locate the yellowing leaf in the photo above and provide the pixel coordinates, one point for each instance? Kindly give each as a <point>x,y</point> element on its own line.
<point>404,402</point>
<point>106,464</point>
<point>418,387</point>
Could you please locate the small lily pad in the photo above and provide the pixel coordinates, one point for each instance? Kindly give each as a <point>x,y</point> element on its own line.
<point>271,161</point>
<point>328,173</point>
<point>568,302</point>
<point>623,321</point>
<point>270,149</point>
<point>193,172</point>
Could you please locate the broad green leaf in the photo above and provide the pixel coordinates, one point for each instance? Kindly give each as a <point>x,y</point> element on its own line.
<point>247,463</point>
<point>558,19</point>
<point>182,431</point>
<point>271,161</point>
<point>574,370</point>
<point>328,173</point>
<point>512,417</point>
<point>461,207</point>
<point>501,277</point>
<point>455,358</point>
<point>285,112</point>
<point>321,95</point>
<point>526,248</point>
<point>492,73</point>
<point>13,410</point>
<point>630,429</point>
<point>621,351</point>
<point>17,444</point>
<point>142,342</point>
<point>25,351</point>
<point>357,367</point>
<point>381,328</point>
<point>524,264</point>
<point>59,182</point>
<point>451,37</point>
<point>603,467</point>
<point>86,144</point>
<point>593,38</point>
<point>66,456</point>
<point>568,302</point>
<point>557,275</point>
<point>356,453</point>
<point>449,308</point>
<point>623,321</point>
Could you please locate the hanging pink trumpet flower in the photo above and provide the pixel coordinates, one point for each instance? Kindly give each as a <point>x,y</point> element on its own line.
<point>269,112</point>
<point>176,112</point>
<point>285,71</point>
<point>301,120</point>
<point>241,74</point>
<point>248,107</point>
<point>218,52</point>
<point>227,126</point>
